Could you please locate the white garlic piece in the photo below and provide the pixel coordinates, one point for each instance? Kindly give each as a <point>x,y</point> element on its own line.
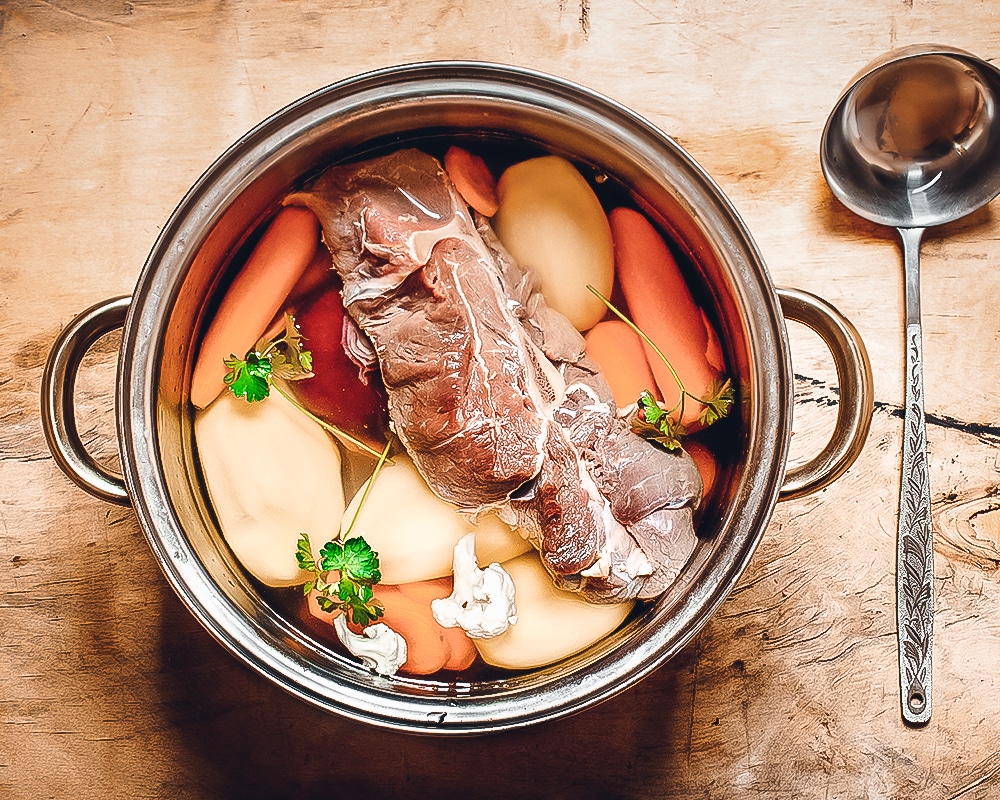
<point>378,646</point>
<point>482,600</point>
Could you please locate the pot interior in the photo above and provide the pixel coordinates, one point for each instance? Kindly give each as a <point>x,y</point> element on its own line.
<point>427,105</point>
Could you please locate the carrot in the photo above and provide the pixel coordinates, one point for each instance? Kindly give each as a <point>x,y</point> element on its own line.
<point>461,650</point>
<point>425,591</point>
<point>429,646</point>
<point>473,180</point>
<point>427,650</point>
<point>315,278</point>
<point>258,291</point>
<point>662,306</point>
<point>706,463</point>
<point>619,353</point>
<point>318,276</point>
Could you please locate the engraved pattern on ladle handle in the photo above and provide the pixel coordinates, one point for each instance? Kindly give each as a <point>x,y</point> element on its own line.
<point>915,543</point>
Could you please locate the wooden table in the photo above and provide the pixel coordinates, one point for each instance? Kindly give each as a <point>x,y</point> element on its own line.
<point>109,688</point>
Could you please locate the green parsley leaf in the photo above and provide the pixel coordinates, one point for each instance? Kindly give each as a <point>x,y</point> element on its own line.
<point>327,604</point>
<point>357,568</point>
<point>331,556</point>
<point>353,558</point>
<point>718,404</point>
<point>304,556</point>
<point>282,357</point>
<point>653,422</point>
<point>290,361</point>
<point>360,561</point>
<point>249,377</point>
<point>651,410</point>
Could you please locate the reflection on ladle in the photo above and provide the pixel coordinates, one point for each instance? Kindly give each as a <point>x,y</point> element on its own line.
<point>912,143</point>
<point>921,114</point>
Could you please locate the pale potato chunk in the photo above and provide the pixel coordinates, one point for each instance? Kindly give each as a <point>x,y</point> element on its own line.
<point>415,532</point>
<point>496,541</point>
<point>272,474</point>
<point>551,221</point>
<point>551,623</point>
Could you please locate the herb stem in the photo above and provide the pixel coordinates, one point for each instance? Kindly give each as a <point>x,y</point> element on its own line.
<point>383,456</point>
<point>679,405</point>
<point>338,432</point>
<point>271,345</point>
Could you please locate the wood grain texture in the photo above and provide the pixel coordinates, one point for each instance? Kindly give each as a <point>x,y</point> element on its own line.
<point>110,109</point>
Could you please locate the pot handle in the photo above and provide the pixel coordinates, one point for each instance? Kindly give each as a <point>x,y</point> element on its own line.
<point>857,392</point>
<point>58,411</point>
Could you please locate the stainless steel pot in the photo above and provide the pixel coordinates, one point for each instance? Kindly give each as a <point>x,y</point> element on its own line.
<point>187,267</point>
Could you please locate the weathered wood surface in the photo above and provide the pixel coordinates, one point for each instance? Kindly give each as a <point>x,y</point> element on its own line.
<point>110,109</point>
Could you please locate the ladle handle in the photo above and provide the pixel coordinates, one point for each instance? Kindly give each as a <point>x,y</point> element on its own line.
<point>914,541</point>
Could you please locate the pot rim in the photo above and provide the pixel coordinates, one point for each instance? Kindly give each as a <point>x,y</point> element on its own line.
<point>552,693</point>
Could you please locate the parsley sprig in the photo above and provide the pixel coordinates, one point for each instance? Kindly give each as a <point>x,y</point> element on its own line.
<point>356,566</point>
<point>351,591</point>
<point>663,425</point>
<point>283,357</point>
<point>666,428</point>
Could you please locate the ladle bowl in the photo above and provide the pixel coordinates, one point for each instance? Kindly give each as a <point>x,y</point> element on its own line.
<point>912,143</point>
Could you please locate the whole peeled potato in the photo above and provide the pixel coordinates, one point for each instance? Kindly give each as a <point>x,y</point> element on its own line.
<point>414,531</point>
<point>496,541</point>
<point>252,455</point>
<point>551,623</point>
<point>550,220</point>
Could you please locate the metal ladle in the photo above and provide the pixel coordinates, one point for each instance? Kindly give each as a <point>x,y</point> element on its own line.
<point>912,143</point>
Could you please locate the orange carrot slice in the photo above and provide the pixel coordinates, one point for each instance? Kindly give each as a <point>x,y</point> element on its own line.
<point>256,294</point>
<point>462,652</point>
<point>429,646</point>
<point>620,354</point>
<point>424,591</point>
<point>318,274</point>
<point>662,306</point>
<point>473,180</point>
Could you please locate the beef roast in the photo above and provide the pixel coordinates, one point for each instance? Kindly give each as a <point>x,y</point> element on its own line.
<point>491,391</point>
<point>451,354</point>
